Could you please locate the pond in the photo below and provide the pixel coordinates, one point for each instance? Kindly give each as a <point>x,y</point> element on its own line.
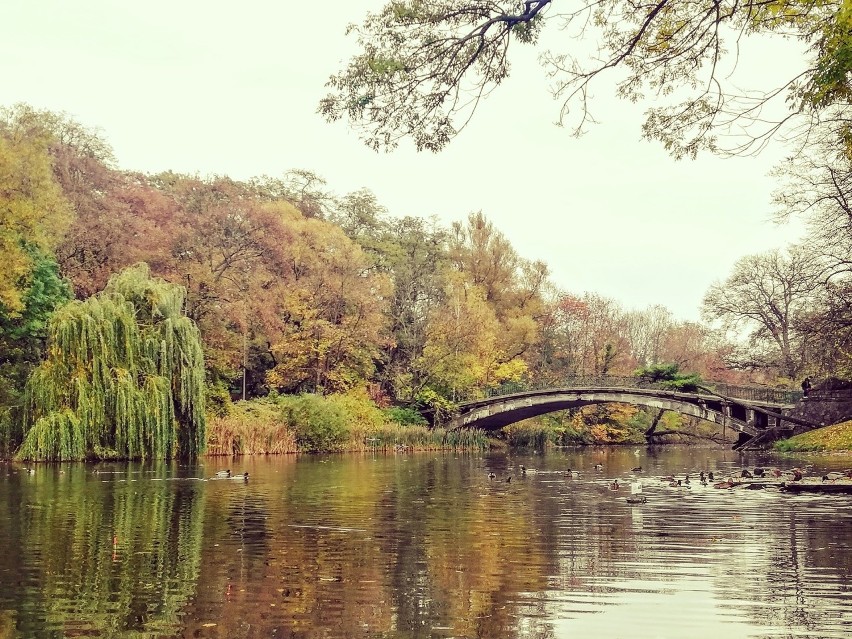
<point>422,545</point>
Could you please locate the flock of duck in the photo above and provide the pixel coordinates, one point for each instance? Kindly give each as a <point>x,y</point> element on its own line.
<point>758,477</point>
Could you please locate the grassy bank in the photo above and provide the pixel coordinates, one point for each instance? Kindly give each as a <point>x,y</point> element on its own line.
<point>333,423</point>
<point>831,438</point>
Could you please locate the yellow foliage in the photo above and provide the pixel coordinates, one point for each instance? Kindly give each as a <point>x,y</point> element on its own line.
<point>605,423</point>
<point>461,345</point>
<point>510,371</point>
<point>32,210</point>
<point>335,310</point>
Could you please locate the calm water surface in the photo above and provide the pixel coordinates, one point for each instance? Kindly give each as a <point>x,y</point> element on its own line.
<point>421,545</point>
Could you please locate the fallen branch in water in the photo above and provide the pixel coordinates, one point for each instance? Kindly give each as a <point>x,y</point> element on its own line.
<point>713,437</point>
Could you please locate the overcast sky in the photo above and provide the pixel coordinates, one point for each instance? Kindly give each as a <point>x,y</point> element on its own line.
<point>232,88</point>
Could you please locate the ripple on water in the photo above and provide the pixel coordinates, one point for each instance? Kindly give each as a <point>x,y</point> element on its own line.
<point>422,546</point>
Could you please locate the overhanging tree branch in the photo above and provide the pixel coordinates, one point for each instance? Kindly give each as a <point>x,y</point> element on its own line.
<point>425,65</point>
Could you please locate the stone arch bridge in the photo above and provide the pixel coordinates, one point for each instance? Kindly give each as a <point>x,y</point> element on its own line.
<point>756,413</point>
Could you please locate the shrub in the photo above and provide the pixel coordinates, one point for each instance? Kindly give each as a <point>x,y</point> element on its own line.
<point>320,425</point>
<point>669,376</point>
<point>314,423</point>
<point>218,400</point>
<point>405,416</point>
<point>359,410</point>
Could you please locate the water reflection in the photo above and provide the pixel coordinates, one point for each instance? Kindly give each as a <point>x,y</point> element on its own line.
<point>97,554</point>
<point>422,546</point>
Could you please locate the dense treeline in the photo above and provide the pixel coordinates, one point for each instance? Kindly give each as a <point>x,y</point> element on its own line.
<point>295,289</point>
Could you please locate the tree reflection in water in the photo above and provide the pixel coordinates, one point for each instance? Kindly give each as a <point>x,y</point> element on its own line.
<point>425,546</point>
<point>111,554</point>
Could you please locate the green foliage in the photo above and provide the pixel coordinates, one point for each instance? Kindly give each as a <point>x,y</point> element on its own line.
<point>686,383</point>
<point>434,401</point>
<point>382,66</point>
<point>669,376</point>
<point>218,400</point>
<point>58,436</point>
<point>658,372</point>
<point>829,83</point>
<point>320,425</point>
<point>405,416</point>
<point>128,366</point>
<point>22,338</point>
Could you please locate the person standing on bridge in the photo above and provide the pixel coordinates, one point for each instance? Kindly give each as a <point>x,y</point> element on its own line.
<point>806,386</point>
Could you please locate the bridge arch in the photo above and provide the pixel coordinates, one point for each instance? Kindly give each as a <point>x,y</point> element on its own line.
<point>497,412</point>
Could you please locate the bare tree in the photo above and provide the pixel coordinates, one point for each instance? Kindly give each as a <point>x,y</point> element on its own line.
<point>816,186</point>
<point>767,295</point>
<point>647,330</point>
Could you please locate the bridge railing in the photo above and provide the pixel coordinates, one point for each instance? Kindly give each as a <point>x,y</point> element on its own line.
<point>756,393</point>
<point>748,393</point>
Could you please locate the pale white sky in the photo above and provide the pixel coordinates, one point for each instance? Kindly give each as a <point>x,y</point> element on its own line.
<point>232,88</point>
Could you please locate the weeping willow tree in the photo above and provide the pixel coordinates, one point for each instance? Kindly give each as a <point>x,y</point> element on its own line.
<point>124,377</point>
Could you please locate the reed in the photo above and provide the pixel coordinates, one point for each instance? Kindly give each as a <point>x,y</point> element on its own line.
<point>394,436</point>
<point>255,427</point>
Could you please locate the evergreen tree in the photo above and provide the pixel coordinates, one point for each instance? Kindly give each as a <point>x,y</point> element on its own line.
<point>22,340</point>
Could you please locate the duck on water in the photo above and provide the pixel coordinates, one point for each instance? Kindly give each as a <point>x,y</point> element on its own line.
<point>226,474</point>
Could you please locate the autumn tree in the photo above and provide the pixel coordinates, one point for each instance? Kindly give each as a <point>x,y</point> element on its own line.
<point>767,295</point>
<point>424,65</point>
<point>332,311</point>
<point>647,330</point>
<point>414,252</point>
<point>359,214</point>
<point>109,226</point>
<point>302,188</point>
<point>229,247</point>
<point>698,348</point>
<point>512,285</point>
<point>587,336</point>
<point>33,211</point>
<point>462,353</point>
